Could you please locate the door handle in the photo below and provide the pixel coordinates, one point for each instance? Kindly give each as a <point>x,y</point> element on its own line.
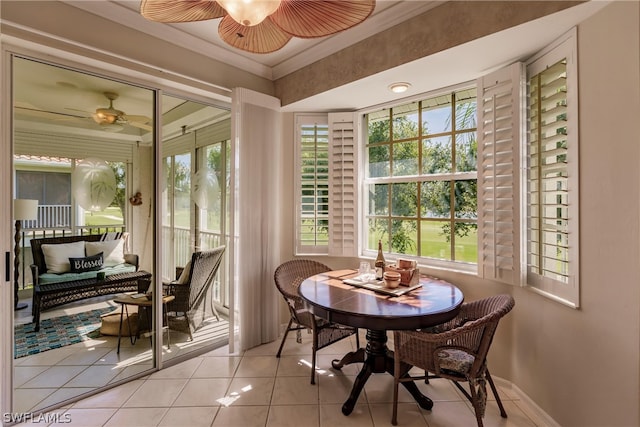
<point>7,258</point>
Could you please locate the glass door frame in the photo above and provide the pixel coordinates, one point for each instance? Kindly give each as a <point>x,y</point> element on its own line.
<point>135,76</point>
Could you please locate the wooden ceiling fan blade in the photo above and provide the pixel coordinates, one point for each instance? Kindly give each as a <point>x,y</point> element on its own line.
<point>265,37</point>
<point>180,10</point>
<point>310,18</point>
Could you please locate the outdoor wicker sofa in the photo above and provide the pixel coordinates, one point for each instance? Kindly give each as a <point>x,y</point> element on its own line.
<point>55,288</point>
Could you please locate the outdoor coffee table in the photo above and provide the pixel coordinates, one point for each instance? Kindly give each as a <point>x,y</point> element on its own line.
<point>140,301</point>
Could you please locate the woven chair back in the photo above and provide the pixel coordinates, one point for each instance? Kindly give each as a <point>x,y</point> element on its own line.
<point>480,321</point>
<point>288,277</point>
<point>204,267</point>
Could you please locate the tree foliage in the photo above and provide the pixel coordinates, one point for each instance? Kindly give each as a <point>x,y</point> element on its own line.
<point>121,185</point>
<point>438,155</point>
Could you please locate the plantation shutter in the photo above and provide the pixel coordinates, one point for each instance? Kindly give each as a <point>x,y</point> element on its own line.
<point>548,174</point>
<point>343,184</point>
<point>500,129</point>
<point>553,261</point>
<point>312,185</point>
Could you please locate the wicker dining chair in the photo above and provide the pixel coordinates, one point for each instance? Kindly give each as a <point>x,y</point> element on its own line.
<point>456,350</point>
<point>288,277</point>
<point>187,312</point>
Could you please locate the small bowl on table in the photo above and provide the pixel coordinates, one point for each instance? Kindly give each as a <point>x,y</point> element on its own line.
<point>391,279</point>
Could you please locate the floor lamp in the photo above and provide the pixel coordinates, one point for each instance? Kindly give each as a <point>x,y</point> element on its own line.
<point>23,209</point>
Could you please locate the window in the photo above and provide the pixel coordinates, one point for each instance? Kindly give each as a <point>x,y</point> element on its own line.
<point>51,188</point>
<point>478,178</point>
<point>312,192</point>
<point>421,178</point>
<point>552,173</point>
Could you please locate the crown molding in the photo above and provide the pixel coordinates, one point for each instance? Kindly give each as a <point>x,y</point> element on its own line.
<point>171,33</point>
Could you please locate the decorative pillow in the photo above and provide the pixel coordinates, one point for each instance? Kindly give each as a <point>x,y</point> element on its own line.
<point>113,251</point>
<point>56,256</point>
<point>184,276</point>
<point>90,263</point>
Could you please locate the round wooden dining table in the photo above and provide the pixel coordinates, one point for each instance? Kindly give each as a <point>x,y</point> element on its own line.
<point>328,297</point>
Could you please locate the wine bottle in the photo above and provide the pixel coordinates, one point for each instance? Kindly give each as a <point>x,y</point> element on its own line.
<point>379,264</point>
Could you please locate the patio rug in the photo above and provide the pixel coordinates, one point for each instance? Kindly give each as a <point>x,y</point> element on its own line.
<point>58,332</point>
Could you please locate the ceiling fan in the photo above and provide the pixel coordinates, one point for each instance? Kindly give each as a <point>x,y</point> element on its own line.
<point>263,26</point>
<point>112,116</point>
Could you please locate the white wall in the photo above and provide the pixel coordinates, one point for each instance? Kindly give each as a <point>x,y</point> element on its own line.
<point>142,232</point>
<point>581,366</point>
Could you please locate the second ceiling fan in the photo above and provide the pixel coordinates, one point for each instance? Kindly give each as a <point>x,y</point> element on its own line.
<point>110,115</point>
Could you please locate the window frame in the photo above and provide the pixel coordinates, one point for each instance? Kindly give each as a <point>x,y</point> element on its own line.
<point>565,293</point>
<point>365,182</point>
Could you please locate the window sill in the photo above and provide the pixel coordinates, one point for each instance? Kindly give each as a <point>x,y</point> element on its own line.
<point>553,297</point>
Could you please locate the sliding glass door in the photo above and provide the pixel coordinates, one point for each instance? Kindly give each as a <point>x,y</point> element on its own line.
<point>195,192</point>
<point>83,156</point>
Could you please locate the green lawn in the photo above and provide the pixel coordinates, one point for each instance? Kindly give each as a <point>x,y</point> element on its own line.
<point>110,216</point>
<point>433,243</point>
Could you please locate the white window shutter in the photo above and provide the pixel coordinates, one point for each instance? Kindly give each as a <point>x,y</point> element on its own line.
<point>501,115</point>
<point>343,179</point>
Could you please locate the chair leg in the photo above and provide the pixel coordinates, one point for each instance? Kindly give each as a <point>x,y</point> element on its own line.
<point>476,404</point>
<point>314,350</point>
<point>284,338</point>
<point>313,366</point>
<point>394,414</point>
<point>213,309</point>
<point>503,413</point>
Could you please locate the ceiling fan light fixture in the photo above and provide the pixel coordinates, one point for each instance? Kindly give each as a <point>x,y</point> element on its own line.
<point>399,87</point>
<point>244,24</point>
<point>249,12</point>
<point>102,117</point>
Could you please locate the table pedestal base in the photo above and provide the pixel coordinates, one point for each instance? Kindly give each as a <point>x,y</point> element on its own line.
<point>377,358</point>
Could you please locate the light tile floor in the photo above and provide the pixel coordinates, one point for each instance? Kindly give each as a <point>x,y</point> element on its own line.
<point>45,379</point>
<point>257,389</point>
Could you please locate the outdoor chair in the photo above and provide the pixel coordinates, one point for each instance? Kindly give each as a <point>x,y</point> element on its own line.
<point>188,311</point>
<point>456,350</point>
<point>288,277</point>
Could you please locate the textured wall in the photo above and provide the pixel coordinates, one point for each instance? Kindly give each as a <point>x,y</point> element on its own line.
<point>451,24</point>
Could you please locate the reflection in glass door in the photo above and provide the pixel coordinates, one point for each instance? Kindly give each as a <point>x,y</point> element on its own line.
<point>195,157</point>
<point>83,148</point>
<point>212,201</point>
<point>176,223</point>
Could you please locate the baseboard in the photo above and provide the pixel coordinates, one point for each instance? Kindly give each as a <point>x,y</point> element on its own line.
<point>536,411</point>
